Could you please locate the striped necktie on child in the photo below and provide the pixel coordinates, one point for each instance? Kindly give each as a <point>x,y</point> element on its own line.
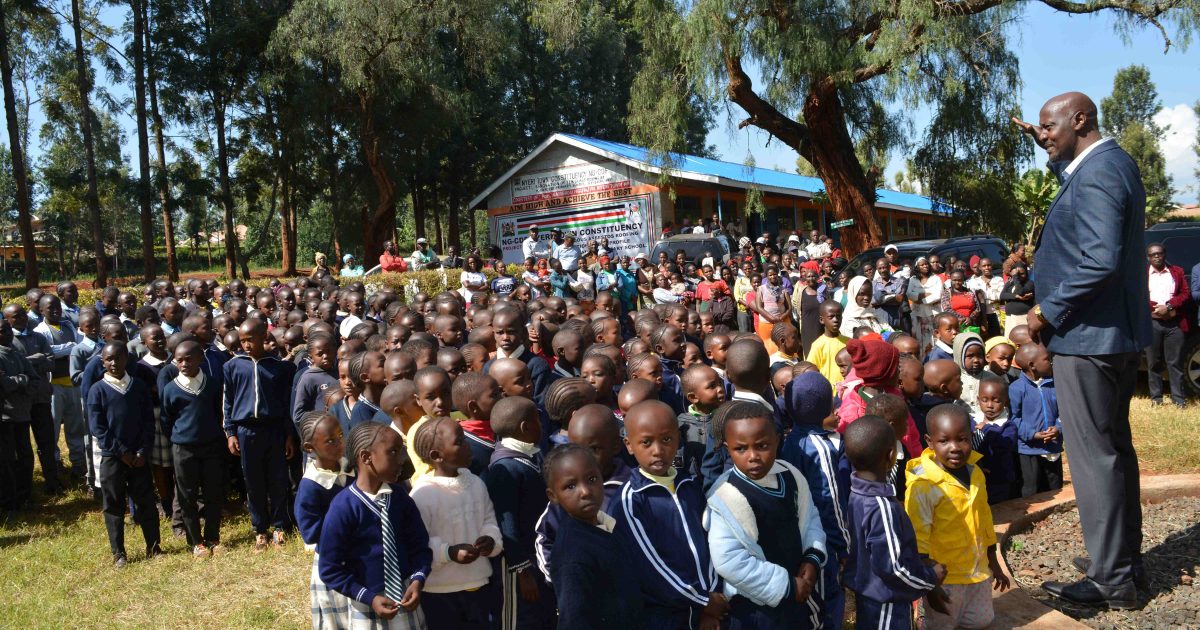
<point>393,580</point>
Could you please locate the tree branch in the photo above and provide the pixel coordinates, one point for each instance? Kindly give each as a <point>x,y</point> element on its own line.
<point>1147,12</point>
<point>762,114</point>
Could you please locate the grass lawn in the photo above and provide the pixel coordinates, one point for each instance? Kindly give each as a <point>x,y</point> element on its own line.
<point>58,571</point>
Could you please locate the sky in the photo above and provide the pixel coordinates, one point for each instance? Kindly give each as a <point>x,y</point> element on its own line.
<point>1057,53</point>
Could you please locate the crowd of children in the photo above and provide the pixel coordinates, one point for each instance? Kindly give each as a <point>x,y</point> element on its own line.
<point>540,462</point>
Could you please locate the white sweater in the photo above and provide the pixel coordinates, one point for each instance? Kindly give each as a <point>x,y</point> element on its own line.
<point>456,511</point>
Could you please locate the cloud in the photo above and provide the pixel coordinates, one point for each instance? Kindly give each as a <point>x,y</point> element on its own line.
<point>1178,148</point>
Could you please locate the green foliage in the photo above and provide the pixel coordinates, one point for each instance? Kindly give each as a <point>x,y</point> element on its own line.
<point>1134,101</point>
<point>1033,194</point>
<point>1143,146</point>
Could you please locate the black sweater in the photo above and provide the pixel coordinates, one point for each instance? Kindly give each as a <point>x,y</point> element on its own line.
<point>590,572</point>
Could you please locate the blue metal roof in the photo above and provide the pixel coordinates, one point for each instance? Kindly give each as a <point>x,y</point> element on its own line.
<point>751,175</point>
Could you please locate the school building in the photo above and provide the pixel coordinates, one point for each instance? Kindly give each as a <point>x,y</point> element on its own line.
<point>602,189</point>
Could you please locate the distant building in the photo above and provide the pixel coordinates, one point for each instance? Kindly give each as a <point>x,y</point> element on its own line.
<point>601,189</point>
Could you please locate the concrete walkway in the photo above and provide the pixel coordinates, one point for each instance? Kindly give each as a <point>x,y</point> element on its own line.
<point>1016,608</point>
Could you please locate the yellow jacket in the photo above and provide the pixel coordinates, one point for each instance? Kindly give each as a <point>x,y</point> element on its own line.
<point>953,523</point>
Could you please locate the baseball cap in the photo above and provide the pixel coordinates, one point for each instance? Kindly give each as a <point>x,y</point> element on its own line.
<point>890,247</point>
<point>641,256</point>
<point>794,238</point>
<point>422,241</point>
<point>761,241</point>
<point>533,227</point>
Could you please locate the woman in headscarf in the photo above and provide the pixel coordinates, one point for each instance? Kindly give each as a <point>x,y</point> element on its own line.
<point>925,291</point>
<point>859,312</point>
<point>319,264</point>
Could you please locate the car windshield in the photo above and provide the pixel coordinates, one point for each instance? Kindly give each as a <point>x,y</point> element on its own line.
<point>695,250</point>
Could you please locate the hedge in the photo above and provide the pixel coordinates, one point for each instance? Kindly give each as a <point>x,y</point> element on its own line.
<point>409,283</point>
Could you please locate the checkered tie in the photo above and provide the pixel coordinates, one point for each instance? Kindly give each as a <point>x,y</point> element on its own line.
<point>393,579</point>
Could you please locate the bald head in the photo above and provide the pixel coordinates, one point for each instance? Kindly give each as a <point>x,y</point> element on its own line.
<point>1067,124</point>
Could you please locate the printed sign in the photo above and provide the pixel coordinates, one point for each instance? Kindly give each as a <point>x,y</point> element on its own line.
<point>841,224</point>
<point>542,189</point>
<point>622,221</point>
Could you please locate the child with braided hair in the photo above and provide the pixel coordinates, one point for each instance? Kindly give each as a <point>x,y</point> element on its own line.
<point>563,398</point>
<point>321,439</point>
<point>455,507</point>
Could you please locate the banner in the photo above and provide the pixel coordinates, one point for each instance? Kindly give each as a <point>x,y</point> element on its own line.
<point>624,222</point>
<point>561,183</point>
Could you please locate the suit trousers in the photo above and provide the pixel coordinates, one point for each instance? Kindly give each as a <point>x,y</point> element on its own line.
<point>1093,402</point>
<point>120,482</point>
<point>200,474</point>
<point>1166,351</point>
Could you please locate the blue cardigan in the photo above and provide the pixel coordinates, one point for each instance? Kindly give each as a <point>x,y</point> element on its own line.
<point>351,543</point>
<point>591,575</point>
<point>884,565</point>
<point>121,422</point>
<point>192,417</point>
<point>514,482</point>
<point>313,499</point>
<point>258,391</point>
<point>1034,408</point>
<point>548,523</point>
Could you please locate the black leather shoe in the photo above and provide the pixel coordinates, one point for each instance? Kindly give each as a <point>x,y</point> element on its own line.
<point>1085,592</point>
<point>1139,574</point>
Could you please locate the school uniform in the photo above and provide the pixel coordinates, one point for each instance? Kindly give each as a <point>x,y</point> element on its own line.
<point>366,411</point>
<point>149,368</point>
<point>314,495</point>
<point>540,373</point>
<point>77,361</point>
<point>374,545</point>
<point>482,442</point>
<point>548,523</point>
<point>257,397</point>
<point>940,351</point>
<point>66,405</point>
<point>670,558</point>
<point>594,590</point>
<point>514,482</point>
<point>1034,408</point>
<point>121,417</point>
<point>748,523</point>
<point>820,457</point>
<point>457,510</point>
<point>18,383</point>
<point>997,443</point>
<point>41,417</point>
<point>671,391</point>
<point>190,417</point>
<point>884,570</point>
<point>694,425</point>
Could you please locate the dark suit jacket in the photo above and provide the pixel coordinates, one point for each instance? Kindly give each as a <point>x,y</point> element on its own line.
<point>1090,267</point>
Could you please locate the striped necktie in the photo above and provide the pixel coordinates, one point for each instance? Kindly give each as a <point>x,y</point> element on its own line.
<point>393,579</point>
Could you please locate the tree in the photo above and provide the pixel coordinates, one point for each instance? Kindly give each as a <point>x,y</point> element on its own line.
<point>146,224</point>
<point>1128,115</point>
<point>826,67</point>
<point>83,79</point>
<point>161,179</point>
<point>19,175</point>
<point>1034,193</point>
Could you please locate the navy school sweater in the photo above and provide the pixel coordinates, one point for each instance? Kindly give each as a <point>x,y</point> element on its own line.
<point>669,542</point>
<point>592,576</point>
<point>122,422</point>
<point>884,564</point>
<point>192,416</point>
<point>351,543</point>
<point>314,495</point>
<point>212,366</point>
<point>514,482</point>
<point>540,373</point>
<point>311,387</point>
<point>481,452</point>
<point>823,463</point>
<point>94,372</point>
<point>548,524</point>
<point>367,411</point>
<point>258,392</point>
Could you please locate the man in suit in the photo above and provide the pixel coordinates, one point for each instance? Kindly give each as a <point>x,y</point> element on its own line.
<point>1168,295</point>
<point>1091,283</point>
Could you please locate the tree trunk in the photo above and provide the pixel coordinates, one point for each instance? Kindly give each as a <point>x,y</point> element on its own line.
<point>226,193</point>
<point>418,202</point>
<point>287,262</point>
<point>89,148</point>
<point>20,176</point>
<point>331,160</point>
<point>452,228</point>
<point>379,224</point>
<point>143,188</point>
<point>162,179</point>
<point>846,184</point>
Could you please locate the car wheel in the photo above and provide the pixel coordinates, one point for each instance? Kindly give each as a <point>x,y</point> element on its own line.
<point>1191,364</point>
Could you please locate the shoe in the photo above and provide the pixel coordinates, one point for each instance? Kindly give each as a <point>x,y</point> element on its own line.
<point>1085,592</point>
<point>154,551</point>
<point>1157,402</point>
<point>216,548</point>
<point>260,543</point>
<point>200,551</point>
<point>1139,573</point>
<point>119,561</point>
<point>278,539</point>
<point>1180,405</point>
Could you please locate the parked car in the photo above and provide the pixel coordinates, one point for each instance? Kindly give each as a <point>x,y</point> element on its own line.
<point>1182,242</point>
<point>694,246</point>
<point>961,247</point>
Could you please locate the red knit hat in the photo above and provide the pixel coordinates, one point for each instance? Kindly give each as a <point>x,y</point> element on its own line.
<point>875,362</point>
